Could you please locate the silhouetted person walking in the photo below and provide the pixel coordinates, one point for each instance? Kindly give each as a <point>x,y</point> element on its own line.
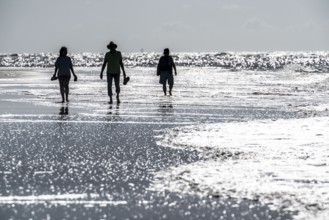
<point>113,60</point>
<point>164,69</point>
<point>64,67</point>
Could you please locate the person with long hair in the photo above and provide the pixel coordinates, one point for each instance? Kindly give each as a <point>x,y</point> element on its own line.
<point>113,60</point>
<point>63,69</point>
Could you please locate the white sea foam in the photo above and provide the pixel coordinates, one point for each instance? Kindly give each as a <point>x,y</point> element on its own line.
<point>63,199</point>
<point>283,163</point>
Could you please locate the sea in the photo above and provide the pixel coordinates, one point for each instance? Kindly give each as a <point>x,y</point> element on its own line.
<point>245,135</point>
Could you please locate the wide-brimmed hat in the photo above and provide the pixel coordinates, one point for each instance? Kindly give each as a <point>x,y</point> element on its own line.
<point>111,44</point>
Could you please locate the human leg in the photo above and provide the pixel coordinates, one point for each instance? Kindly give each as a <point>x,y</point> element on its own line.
<point>164,88</point>
<point>66,88</point>
<point>61,87</point>
<point>171,83</point>
<point>117,86</point>
<point>109,86</point>
<point>163,81</point>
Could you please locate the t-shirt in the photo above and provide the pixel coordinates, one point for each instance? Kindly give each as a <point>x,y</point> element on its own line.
<point>113,62</point>
<point>63,64</point>
<point>166,63</point>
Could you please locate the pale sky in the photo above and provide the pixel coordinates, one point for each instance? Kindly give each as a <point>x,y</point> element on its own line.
<point>34,26</point>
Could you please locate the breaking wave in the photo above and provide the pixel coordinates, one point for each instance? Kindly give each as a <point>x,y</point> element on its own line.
<point>282,163</point>
<point>297,61</point>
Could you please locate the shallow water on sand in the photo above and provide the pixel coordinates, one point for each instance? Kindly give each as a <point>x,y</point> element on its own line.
<point>90,159</point>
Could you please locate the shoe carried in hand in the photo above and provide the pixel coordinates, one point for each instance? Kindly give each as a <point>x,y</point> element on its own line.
<point>54,78</point>
<point>126,80</point>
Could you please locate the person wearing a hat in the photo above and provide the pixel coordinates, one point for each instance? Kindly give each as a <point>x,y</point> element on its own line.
<point>113,60</point>
<point>164,70</point>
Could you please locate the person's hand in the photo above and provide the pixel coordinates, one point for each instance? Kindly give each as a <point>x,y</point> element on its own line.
<point>101,76</point>
<point>53,77</point>
<point>75,78</point>
<point>175,73</point>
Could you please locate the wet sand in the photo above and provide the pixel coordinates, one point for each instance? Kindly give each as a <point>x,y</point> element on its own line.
<point>92,160</point>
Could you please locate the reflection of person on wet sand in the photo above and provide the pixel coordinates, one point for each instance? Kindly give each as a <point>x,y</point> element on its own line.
<point>64,67</point>
<point>113,111</point>
<point>113,60</point>
<point>64,111</point>
<point>164,69</point>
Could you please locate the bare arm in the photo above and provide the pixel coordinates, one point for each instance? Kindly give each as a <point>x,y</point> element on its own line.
<point>71,68</point>
<point>158,67</point>
<point>103,67</point>
<point>75,76</point>
<point>173,65</point>
<point>158,70</point>
<point>123,69</point>
<point>56,68</point>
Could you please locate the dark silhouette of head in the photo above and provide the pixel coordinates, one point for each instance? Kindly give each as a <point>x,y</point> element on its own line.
<point>112,46</point>
<point>63,52</point>
<point>166,51</point>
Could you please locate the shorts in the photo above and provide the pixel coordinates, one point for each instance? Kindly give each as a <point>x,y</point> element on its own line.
<point>166,76</point>
<point>110,78</point>
<point>64,80</point>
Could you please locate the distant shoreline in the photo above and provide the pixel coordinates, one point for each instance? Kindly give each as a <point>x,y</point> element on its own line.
<point>303,61</point>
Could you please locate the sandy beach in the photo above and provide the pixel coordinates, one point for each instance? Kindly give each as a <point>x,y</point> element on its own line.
<point>90,159</point>
<point>225,115</point>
